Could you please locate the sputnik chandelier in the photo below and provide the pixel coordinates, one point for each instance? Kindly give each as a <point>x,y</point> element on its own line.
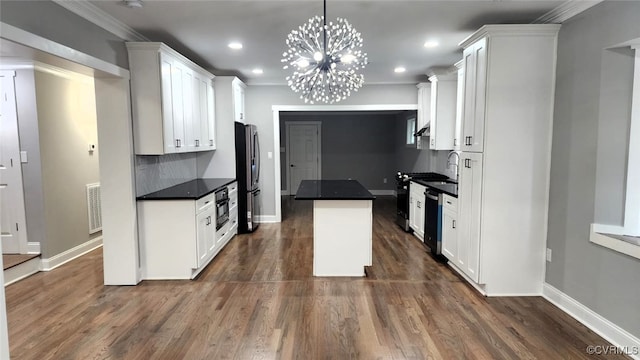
<point>325,60</point>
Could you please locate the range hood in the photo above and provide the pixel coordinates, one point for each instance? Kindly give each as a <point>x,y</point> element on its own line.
<point>424,131</point>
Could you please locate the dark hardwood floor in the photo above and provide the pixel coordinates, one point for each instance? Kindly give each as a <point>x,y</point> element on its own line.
<point>258,300</point>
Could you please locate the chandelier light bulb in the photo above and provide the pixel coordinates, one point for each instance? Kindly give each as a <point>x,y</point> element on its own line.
<point>317,56</point>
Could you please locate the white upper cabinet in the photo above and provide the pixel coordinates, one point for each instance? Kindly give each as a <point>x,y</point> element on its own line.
<point>172,101</point>
<point>238,100</point>
<point>443,111</point>
<point>473,111</point>
<point>457,134</point>
<point>424,112</point>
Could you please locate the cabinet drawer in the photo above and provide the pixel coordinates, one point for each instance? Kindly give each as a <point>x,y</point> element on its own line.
<point>449,202</point>
<point>233,188</point>
<point>205,202</point>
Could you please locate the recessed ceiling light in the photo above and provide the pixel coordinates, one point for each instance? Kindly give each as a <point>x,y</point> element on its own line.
<point>399,69</point>
<point>132,3</point>
<point>235,45</point>
<point>431,44</point>
<point>257,71</point>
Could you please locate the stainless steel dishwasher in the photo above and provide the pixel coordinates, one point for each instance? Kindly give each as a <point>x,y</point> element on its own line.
<point>433,221</point>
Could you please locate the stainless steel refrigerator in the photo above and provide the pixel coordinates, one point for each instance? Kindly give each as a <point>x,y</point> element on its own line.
<point>248,176</point>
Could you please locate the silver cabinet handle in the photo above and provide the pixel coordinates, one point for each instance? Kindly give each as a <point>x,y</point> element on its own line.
<point>197,143</point>
<point>454,224</point>
<point>178,143</point>
<point>419,206</point>
<point>210,142</point>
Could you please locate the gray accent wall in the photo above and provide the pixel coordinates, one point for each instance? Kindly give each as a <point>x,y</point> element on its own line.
<point>53,22</point>
<point>589,130</point>
<point>354,145</point>
<point>67,123</point>
<point>260,100</point>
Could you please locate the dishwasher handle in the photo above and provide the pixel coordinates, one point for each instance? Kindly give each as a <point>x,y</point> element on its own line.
<point>432,196</point>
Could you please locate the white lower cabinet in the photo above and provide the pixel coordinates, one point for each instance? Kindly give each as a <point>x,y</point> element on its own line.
<point>416,208</point>
<point>178,238</point>
<point>449,227</point>
<point>469,214</point>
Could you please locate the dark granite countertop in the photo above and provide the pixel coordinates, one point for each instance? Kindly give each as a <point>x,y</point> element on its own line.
<point>440,186</point>
<point>332,190</point>
<point>190,190</point>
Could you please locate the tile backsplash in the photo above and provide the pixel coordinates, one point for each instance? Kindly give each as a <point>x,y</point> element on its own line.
<point>156,172</point>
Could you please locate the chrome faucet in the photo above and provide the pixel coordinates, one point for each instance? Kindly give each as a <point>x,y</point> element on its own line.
<point>457,160</point>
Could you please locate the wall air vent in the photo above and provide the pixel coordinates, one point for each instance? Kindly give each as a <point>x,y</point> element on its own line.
<point>93,207</point>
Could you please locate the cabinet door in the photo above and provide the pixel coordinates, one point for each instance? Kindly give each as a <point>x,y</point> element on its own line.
<point>412,211</point>
<point>424,112</point>
<point>469,206</point>
<point>475,79</point>
<point>459,106</point>
<point>449,234</point>
<point>205,222</point>
<point>211,235</point>
<point>211,115</point>
<point>433,123</point>
<point>191,124</point>
<point>238,102</point>
<point>420,213</point>
<point>177,109</point>
<point>166,73</point>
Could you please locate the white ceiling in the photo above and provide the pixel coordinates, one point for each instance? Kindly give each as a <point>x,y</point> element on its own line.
<point>393,31</point>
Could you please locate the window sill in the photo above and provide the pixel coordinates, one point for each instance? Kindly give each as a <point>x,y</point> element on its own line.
<point>627,245</point>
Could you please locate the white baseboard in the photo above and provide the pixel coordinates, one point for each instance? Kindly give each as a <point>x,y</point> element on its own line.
<point>594,321</point>
<point>267,219</point>
<point>33,248</point>
<point>383,192</point>
<point>64,257</point>
<point>21,271</point>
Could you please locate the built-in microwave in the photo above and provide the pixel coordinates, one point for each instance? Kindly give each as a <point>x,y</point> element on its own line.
<point>222,207</point>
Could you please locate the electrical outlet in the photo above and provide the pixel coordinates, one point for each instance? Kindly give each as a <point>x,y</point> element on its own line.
<point>384,180</point>
<point>548,255</point>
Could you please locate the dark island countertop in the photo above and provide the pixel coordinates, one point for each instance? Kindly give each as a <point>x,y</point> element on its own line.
<point>190,190</point>
<point>440,186</point>
<point>332,190</point>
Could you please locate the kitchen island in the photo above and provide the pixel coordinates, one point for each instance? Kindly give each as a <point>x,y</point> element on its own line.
<point>342,226</point>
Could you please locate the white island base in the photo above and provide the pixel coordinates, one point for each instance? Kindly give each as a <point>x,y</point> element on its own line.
<point>342,237</point>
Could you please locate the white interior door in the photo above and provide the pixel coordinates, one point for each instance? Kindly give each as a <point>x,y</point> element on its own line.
<point>14,232</point>
<point>303,153</point>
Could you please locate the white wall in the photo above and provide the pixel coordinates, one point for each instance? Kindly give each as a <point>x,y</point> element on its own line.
<point>260,100</point>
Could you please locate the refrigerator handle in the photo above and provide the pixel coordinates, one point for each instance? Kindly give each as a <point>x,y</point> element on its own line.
<point>256,155</point>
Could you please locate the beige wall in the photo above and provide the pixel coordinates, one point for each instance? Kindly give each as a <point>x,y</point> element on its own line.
<point>66,108</point>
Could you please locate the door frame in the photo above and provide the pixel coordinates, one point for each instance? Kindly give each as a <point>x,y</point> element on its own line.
<point>276,109</point>
<point>17,197</point>
<point>288,190</point>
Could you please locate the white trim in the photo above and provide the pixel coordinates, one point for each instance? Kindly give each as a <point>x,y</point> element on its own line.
<point>276,133</point>
<point>71,254</point>
<point>33,248</point>
<point>92,13</point>
<point>383,192</point>
<point>287,152</point>
<point>614,242</point>
<point>467,278</point>
<point>510,30</point>
<point>632,201</point>
<point>21,271</point>
<point>50,47</point>
<point>565,11</point>
<point>267,219</point>
<point>380,107</point>
<point>589,318</point>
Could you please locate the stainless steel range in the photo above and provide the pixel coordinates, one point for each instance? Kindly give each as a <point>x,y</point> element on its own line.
<point>402,190</point>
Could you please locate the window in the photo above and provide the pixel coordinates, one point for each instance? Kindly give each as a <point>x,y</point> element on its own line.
<point>626,238</point>
<point>411,129</point>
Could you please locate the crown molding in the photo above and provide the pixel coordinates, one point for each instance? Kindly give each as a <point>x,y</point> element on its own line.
<point>93,14</point>
<point>565,11</point>
<point>511,30</point>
